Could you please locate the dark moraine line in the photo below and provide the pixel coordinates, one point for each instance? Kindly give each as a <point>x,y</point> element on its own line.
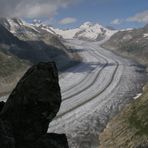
<point>93,97</point>
<point>73,86</point>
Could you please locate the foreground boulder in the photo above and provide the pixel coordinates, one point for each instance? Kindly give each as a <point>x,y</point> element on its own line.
<point>30,108</point>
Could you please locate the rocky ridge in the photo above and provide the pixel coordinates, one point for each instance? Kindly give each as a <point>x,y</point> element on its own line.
<point>129,128</point>
<point>22,45</point>
<point>130,43</point>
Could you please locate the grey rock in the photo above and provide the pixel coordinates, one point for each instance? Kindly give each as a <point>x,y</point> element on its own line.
<point>31,107</point>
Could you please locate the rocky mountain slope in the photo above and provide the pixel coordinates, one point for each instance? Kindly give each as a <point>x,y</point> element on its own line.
<point>11,69</point>
<point>22,45</point>
<point>32,105</point>
<point>130,127</point>
<point>130,43</point>
<point>12,66</point>
<point>32,51</point>
<point>29,32</point>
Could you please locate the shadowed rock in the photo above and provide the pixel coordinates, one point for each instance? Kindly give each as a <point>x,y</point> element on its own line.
<point>2,105</point>
<point>31,107</point>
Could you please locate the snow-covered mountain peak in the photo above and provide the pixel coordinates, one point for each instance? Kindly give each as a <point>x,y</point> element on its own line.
<point>93,32</point>
<point>87,31</point>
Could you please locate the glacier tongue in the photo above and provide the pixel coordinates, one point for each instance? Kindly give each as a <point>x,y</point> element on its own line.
<point>93,92</point>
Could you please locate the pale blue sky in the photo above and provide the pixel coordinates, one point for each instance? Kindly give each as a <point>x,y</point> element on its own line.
<point>116,13</point>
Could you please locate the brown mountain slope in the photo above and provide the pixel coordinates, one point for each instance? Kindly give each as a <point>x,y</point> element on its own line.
<point>17,55</point>
<point>129,129</point>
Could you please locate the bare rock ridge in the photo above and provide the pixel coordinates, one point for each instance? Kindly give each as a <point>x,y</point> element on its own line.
<point>32,105</point>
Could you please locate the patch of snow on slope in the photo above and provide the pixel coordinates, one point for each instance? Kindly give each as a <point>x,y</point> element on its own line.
<point>137,96</point>
<point>145,35</point>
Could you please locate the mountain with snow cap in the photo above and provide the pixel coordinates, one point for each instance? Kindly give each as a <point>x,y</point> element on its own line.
<point>87,31</point>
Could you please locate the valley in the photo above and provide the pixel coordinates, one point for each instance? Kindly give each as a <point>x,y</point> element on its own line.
<point>93,92</point>
<point>73,74</point>
<point>95,82</point>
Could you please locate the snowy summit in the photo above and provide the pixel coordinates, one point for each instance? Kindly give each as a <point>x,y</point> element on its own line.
<point>87,31</point>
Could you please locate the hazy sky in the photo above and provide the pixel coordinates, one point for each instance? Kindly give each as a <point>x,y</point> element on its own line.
<point>117,13</point>
<point>71,13</point>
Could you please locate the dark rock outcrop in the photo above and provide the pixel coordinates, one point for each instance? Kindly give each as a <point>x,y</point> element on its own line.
<point>30,108</point>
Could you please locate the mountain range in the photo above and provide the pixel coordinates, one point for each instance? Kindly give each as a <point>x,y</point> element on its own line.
<point>87,31</point>
<point>23,44</point>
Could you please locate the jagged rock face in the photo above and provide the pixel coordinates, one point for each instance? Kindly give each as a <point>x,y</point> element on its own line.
<point>34,102</point>
<point>31,106</point>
